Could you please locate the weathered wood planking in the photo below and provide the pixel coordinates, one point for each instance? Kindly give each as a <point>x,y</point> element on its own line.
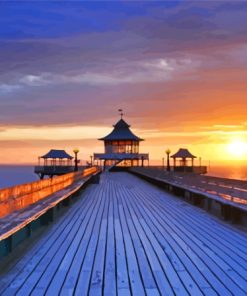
<point>229,191</point>
<point>127,237</point>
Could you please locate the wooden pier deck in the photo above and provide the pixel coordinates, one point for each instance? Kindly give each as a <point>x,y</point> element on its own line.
<point>127,237</point>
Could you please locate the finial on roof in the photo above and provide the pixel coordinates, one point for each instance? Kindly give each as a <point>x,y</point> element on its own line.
<point>121,112</point>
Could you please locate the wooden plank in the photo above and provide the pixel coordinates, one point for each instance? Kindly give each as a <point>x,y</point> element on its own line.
<point>110,279</point>
<point>84,277</point>
<point>162,285</point>
<point>25,268</point>
<point>123,285</point>
<point>97,276</point>
<point>176,273</point>
<point>135,277</point>
<point>186,184</point>
<point>228,232</point>
<point>46,241</point>
<point>53,277</point>
<point>73,274</point>
<point>226,262</point>
<point>41,276</point>
<point>191,277</point>
<point>183,237</point>
<point>143,263</point>
<point>19,219</point>
<point>127,237</point>
<point>66,263</point>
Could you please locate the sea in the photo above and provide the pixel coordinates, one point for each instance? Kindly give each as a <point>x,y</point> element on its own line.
<point>11,175</point>
<point>238,172</point>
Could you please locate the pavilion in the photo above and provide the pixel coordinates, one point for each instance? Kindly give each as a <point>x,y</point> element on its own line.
<point>121,147</point>
<point>55,162</point>
<point>183,161</point>
<point>184,156</point>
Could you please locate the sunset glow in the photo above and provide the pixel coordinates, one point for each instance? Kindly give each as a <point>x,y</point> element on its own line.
<point>123,147</point>
<point>237,149</point>
<point>178,69</point>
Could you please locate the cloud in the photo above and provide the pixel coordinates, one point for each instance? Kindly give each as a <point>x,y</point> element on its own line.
<point>181,64</point>
<point>155,70</point>
<point>177,69</point>
<point>8,88</point>
<point>35,80</point>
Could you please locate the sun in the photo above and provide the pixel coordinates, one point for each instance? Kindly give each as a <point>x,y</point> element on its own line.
<point>237,149</point>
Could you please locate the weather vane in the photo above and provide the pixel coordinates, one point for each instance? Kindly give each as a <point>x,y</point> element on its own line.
<point>121,112</point>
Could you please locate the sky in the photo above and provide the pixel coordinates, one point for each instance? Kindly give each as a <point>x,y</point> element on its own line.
<point>178,69</point>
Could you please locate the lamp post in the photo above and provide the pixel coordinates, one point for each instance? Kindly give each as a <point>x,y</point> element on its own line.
<point>76,151</point>
<point>168,151</point>
<point>91,157</point>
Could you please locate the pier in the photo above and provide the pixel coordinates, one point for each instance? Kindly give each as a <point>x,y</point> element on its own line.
<point>28,207</point>
<point>56,163</point>
<point>123,228</point>
<point>226,198</point>
<point>125,236</point>
<point>116,117</point>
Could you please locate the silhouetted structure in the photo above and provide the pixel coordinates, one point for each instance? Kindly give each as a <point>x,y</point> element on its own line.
<point>55,162</point>
<point>184,162</point>
<point>121,147</point>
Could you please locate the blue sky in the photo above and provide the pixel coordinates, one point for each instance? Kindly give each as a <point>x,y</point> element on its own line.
<point>74,63</point>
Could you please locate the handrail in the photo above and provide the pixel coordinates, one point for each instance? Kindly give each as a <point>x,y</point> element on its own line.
<point>225,189</point>
<point>20,196</point>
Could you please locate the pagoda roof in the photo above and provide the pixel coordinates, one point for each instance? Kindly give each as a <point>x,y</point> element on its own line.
<point>120,132</point>
<point>183,153</point>
<point>53,153</point>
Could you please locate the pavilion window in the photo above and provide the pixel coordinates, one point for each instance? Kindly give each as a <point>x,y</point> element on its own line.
<point>135,147</point>
<point>129,148</point>
<point>121,147</point>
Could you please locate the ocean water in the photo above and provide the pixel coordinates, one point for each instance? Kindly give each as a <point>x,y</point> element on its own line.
<point>11,175</point>
<point>238,172</point>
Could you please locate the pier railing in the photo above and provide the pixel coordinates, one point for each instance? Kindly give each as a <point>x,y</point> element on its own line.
<point>53,169</point>
<point>226,198</point>
<point>200,169</point>
<point>228,189</point>
<point>21,196</point>
<point>56,169</point>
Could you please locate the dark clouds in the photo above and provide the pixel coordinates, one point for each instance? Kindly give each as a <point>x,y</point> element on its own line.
<point>77,63</point>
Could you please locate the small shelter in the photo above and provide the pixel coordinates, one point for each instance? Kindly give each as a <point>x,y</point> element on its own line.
<point>55,162</point>
<point>121,147</point>
<point>57,158</point>
<point>185,158</point>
